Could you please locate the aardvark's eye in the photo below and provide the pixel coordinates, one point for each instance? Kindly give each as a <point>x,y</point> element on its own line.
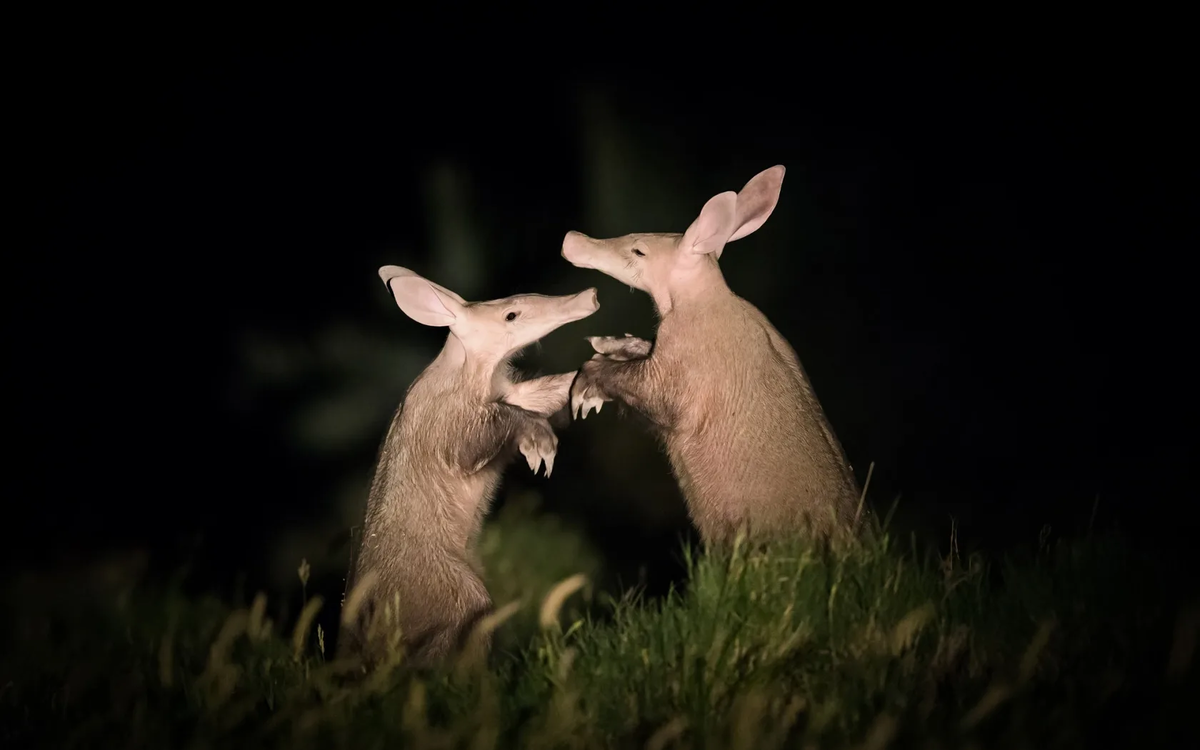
<point>510,317</point>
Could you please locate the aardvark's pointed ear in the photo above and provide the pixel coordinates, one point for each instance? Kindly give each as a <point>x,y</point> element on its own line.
<point>712,228</point>
<point>757,200</point>
<point>420,299</point>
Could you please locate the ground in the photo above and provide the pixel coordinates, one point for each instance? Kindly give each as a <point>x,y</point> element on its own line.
<point>1066,643</point>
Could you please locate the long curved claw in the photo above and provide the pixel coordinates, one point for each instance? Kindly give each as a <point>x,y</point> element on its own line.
<point>533,459</point>
<point>589,403</point>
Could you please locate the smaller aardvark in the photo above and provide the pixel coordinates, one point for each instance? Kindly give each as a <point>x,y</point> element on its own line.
<point>461,422</point>
<point>746,436</point>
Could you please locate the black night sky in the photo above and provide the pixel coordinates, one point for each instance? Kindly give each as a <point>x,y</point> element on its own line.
<point>977,255</point>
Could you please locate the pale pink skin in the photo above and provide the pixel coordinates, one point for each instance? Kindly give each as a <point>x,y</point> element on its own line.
<point>744,431</point>
<point>461,423</point>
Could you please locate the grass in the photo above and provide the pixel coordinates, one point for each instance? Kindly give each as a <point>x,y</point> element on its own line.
<point>1072,643</point>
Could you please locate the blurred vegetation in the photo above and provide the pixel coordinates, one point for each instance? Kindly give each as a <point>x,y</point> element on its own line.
<point>1068,643</point>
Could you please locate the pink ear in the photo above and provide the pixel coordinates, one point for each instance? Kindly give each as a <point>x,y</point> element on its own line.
<point>421,300</point>
<point>711,229</point>
<point>443,293</point>
<point>757,200</point>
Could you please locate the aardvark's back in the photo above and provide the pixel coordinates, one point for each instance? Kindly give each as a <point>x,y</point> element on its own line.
<point>753,441</point>
<point>423,514</point>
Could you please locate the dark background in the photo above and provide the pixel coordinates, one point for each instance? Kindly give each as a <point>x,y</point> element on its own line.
<point>979,254</point>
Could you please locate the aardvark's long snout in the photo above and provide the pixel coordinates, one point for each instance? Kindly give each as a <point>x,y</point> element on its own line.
<point>576,248</point>
<point>583,304</point>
